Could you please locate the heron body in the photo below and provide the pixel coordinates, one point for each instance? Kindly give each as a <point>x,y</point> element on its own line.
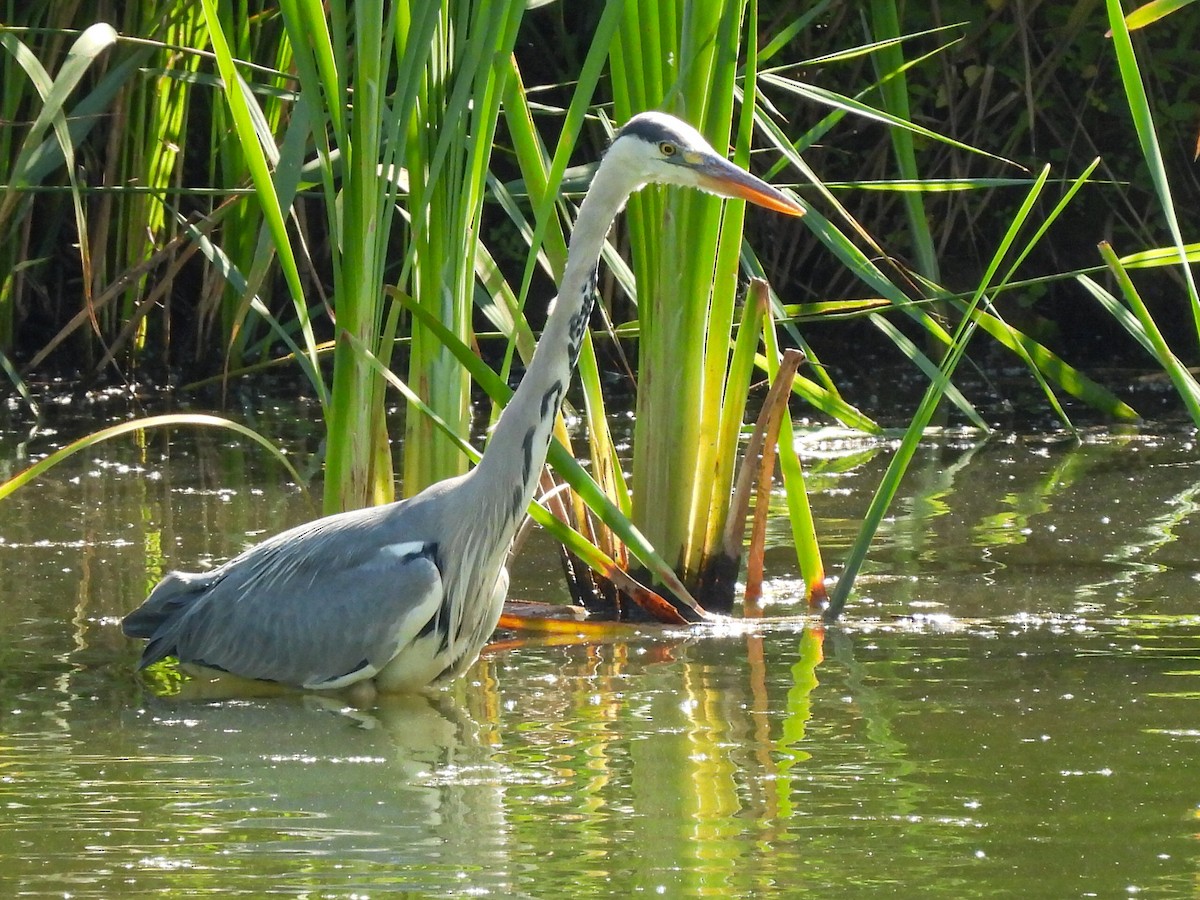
<point>407,594</point>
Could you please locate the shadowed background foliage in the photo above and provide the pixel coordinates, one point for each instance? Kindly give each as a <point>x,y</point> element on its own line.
<point>1030,81</point>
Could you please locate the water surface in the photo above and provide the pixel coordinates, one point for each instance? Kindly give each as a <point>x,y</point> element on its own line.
<point>1009,708</point>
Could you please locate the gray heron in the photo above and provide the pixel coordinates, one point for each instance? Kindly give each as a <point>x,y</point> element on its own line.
<point>404,595</point>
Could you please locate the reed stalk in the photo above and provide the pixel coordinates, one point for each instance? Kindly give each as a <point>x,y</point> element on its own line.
<point>448,151</point>
<point>685,57</point>
<point>402,101</point>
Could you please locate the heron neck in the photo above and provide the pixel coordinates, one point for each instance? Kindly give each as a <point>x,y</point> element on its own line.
<point>517,450</point>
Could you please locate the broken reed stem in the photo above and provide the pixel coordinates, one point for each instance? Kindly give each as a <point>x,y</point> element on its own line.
<point>762,448</point>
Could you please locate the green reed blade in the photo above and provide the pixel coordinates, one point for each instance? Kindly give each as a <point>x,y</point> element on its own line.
<point>1149,13</point>
<point>355,69</point>
<point>1143,123</point>
<point>800,515</point>
<point>1184,383</point>
<point>894,92</point>
<point>731,416</point>
<point>81,119</point>
<point>84,52</point>
<point>450,142</point>
<point>1157,256</point>
<point>543,183</point>
<point>239,100</point>
<point>848,104</point>
<point>890,484</point>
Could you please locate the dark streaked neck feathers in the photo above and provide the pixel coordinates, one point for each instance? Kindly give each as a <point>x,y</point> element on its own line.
<point>517,450</point>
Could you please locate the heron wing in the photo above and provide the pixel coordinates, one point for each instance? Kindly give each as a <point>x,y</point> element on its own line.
<point>318,606</point>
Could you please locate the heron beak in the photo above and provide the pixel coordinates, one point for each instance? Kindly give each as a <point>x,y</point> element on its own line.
<point>722,177</point>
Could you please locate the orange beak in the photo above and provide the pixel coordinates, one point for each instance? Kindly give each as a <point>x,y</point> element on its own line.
<point>722,177</point>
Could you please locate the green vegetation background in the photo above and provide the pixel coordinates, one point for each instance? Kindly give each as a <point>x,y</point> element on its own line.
<point>1034,82</point>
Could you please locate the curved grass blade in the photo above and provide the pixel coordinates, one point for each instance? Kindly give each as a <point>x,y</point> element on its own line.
<point>54,92</point>
<point>1149,13</point>
<point>167,421</point>
<point>81,119</point>
<point>829,310</point>
<point>83,53</point>
<point>1152,258</point>
<point>1159,256</point>
<point>845,103</point>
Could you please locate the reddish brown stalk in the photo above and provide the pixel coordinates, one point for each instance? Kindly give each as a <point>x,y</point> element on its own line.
<point>662,610</point>
<point>766,431</point>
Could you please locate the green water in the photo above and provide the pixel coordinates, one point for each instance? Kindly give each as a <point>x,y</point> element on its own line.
<point>1010,708</point>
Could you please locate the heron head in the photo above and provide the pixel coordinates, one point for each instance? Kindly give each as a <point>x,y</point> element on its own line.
<point>665,150</point>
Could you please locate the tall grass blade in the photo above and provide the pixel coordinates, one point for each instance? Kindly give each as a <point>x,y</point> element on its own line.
<point>450,141</point>
<point>737,389</point>
<point>350,67</point>
<point>1143,123</point>
<point>885,20</point>
<point>890,484</point>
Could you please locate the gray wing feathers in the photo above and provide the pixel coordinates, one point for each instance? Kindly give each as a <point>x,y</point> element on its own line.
<point>312,606</point>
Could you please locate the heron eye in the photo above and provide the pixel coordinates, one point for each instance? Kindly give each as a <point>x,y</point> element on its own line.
<point>666,148</point>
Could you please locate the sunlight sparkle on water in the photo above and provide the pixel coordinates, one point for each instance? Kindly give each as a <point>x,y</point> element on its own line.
<point>917,726</point>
